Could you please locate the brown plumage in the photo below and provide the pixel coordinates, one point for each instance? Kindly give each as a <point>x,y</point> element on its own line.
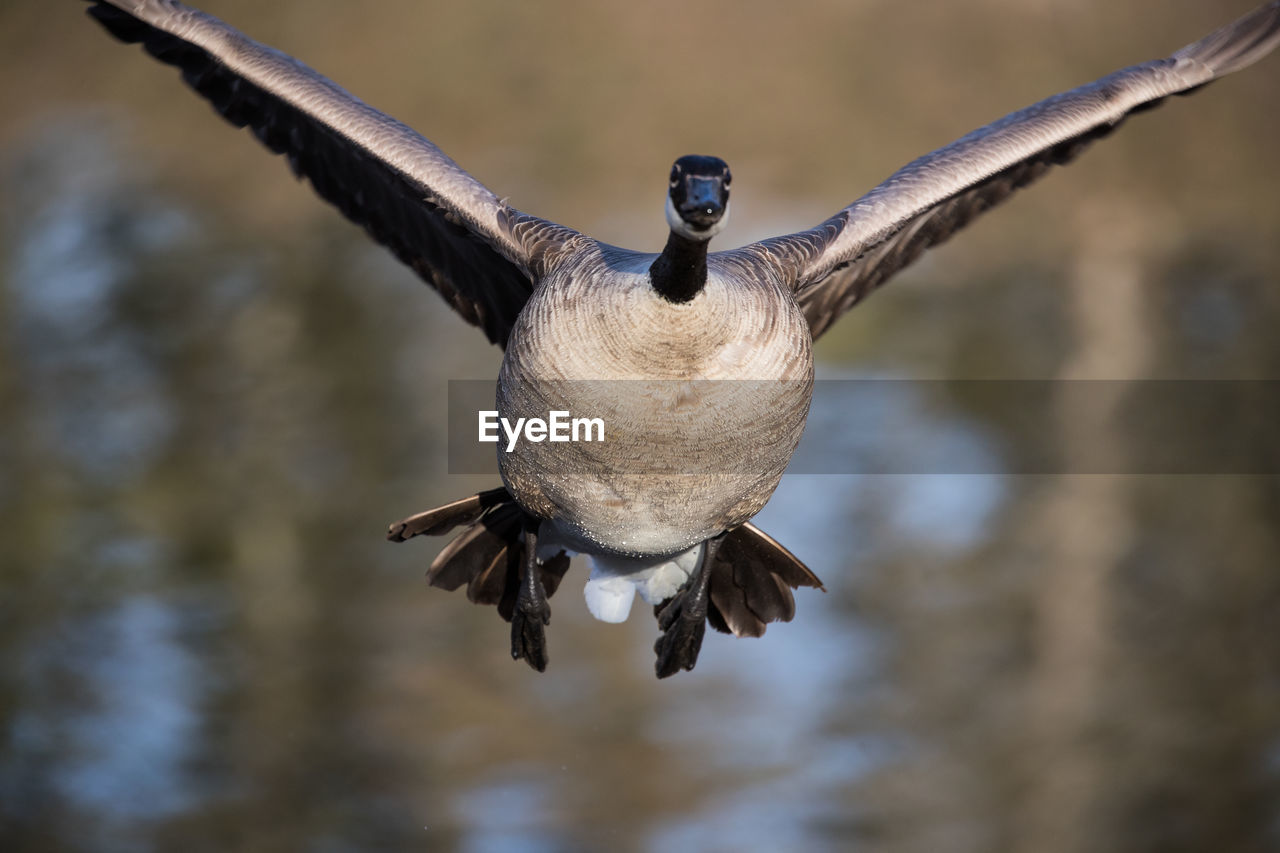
<point>665,502</point>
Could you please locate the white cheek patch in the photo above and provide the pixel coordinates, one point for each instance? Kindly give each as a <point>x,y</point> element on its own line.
<point>683,228</point>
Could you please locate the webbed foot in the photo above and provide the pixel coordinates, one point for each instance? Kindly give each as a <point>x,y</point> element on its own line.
<point>683,628</point>
<point>531,613</point>
<point>683,619</point>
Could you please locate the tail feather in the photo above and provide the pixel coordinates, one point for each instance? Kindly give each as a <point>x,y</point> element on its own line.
<point>475,549</point>
<point>487,555</point>
<point>751,582</point>
<point>442,519</point>
<point>752,576</point>
<point>498,582</point>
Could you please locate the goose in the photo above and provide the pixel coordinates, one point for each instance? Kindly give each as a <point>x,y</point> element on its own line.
<point>699,362</point>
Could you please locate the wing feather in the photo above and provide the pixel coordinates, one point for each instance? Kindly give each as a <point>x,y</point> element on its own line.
<point>479,253</point>
<point>835,265</point>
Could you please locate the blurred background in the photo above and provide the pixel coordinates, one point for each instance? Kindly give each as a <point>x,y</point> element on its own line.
<point>215,394</point>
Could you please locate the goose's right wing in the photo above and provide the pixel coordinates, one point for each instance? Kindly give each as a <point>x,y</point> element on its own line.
<point>481,254</point>
<point>833,266</point>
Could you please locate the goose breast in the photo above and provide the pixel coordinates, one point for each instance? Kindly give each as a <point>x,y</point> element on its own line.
<point>702,403</point>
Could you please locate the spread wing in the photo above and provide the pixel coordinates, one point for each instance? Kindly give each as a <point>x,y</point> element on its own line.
<point>478,252</point>
<point>833,266</point>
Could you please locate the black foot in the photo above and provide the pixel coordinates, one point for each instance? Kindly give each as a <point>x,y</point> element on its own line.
<point>683,627</point>
<point>528,634</point>
<point>531,614</point>
<point>683,619</point>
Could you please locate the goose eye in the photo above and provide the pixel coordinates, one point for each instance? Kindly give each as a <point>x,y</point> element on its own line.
<point>728,178</point>
<point>675,175</point>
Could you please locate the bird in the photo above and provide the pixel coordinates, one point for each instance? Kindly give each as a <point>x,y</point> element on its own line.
<point>699,364</point>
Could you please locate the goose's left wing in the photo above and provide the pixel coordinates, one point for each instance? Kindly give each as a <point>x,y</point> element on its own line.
<point>833,266</point>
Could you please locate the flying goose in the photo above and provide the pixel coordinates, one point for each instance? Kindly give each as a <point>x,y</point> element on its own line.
<point>701,362</point>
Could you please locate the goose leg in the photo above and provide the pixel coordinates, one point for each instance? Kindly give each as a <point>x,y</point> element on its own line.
<point>683,619</point>
<point>531,613</point>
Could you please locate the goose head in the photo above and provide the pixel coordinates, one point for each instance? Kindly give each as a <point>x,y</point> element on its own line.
<point>698,197</point>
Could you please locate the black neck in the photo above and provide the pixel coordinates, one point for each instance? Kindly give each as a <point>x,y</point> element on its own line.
<point>681,270</point>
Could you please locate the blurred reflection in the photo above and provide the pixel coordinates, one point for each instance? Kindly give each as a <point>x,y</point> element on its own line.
<point>207,645</point>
